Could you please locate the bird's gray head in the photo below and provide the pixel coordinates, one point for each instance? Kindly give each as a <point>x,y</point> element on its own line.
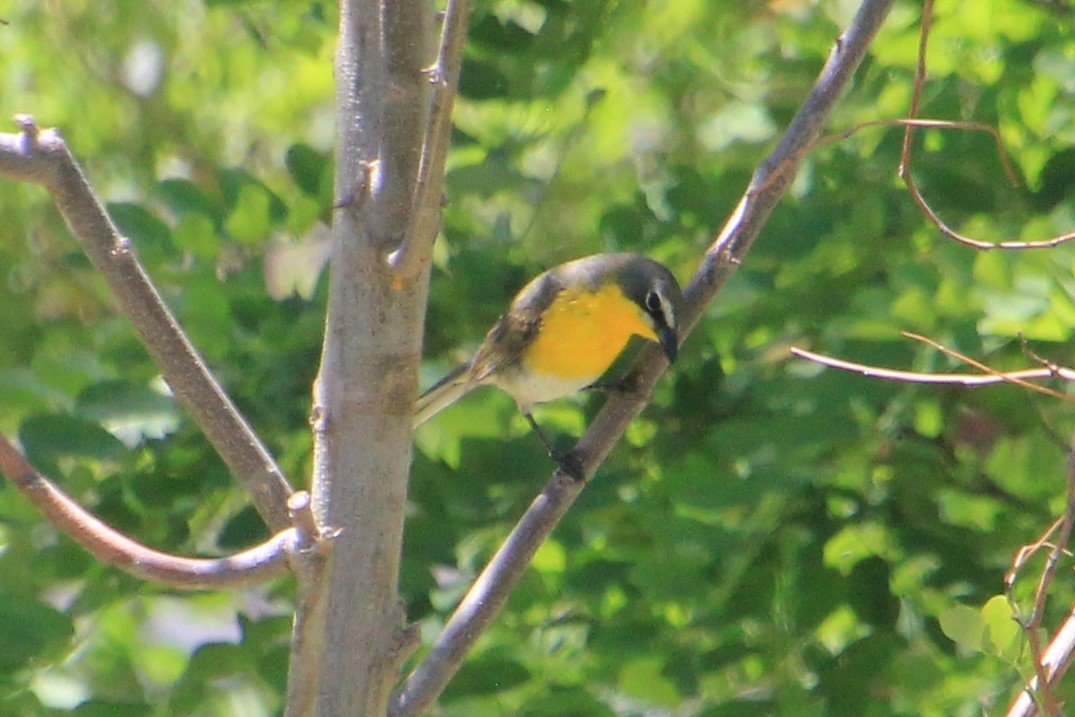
<point>653,288</point>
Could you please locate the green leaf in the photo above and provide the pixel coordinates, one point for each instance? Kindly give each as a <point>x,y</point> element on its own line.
<point>195,233</point>
<point>642,678</point>
<point>146,231</point>
<point>249,221</point>
<point>963,625</point>
<point>1001,633</point>
<point>182,196</point>
<point>104,708</point>
<point>567,702</point>
<point>32,631</point>
<point>132,411</point>
<point>307,167</point>
<point>485,675</point>
<point>47,438</point>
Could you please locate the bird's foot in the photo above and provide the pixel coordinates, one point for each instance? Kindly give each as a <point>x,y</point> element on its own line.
<point>570,464</point>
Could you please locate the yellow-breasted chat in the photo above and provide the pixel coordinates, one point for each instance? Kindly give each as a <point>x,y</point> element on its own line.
<point>563,330</point>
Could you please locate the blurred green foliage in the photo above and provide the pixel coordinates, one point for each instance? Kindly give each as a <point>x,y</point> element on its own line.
<point>771,538</point>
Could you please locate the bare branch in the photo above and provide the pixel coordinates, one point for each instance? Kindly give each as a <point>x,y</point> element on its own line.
<point>42,157</point>
<point>413,253</point>
<point>488,594</point>
<point>990,377</point>
<point>268,560</point>
<point>905,160</point>
<point>1050,666</point>
<point>1051,368</point>
<point>1002,153</point>
<point>964,379</point>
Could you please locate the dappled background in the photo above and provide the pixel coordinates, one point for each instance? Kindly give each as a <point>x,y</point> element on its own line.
<point>770,537</point>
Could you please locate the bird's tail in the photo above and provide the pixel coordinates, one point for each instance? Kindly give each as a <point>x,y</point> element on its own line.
<point>443,394</point>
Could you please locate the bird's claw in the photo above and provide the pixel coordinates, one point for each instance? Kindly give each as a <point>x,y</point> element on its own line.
<point>570,464</point>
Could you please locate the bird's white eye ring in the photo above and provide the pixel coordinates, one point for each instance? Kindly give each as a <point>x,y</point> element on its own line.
<point>653,302</point>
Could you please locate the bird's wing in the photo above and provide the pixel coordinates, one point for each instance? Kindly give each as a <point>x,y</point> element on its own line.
<point>515,330</point>
<point>501,348</point>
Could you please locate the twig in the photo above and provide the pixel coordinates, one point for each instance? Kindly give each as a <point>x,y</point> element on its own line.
<point>255,565</point>
<point>42,157</point>
<point>1052,369</point>
<point>991,378</point>
<point>488,594</point>
<point>422,231</point>
<point>965,126</point>
<point>1048,667</point>
<point>905,160</point>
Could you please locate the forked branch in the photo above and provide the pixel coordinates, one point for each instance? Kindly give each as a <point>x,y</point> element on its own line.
<point>42,157</point>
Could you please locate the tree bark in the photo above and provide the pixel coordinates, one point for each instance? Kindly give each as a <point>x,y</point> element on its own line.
<point>349,630</point>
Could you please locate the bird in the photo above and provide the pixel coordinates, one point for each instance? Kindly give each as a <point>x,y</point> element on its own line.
<point>562,332</point>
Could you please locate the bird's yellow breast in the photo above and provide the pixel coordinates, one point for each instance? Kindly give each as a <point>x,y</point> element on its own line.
<point>582,332</point>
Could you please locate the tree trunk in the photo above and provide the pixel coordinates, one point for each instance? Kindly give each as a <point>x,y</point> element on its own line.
<point>349,629</point>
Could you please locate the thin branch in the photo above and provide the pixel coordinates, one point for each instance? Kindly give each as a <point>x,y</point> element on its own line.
<point>268,560</point>
<point>905,160</point>
<point>1048,668</point>
<point>922,123</point>
<point>963,379</point>
<point>413,253</point>
<point>488,594</point>
<point>42,157</point>
<point>1053,369</point>
<point>989,376</point>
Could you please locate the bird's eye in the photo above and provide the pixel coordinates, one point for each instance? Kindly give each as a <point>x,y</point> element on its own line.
<point>653,302</point>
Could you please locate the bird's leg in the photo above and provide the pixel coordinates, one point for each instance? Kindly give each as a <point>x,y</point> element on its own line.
<point>567,460</point>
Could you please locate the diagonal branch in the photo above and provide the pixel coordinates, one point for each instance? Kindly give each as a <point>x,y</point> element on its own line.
<point>490,591</point>
<point>268,560</point>
<point>42,157</point>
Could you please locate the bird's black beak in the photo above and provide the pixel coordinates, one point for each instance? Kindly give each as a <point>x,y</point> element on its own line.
<point>669,342</point>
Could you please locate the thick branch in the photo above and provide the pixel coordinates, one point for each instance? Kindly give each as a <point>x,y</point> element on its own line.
<point>268,560</point>
<point>768,185</point>
<point>42,157</point>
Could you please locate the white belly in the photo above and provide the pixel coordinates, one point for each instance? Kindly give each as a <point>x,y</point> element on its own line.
<point>530,389</point>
